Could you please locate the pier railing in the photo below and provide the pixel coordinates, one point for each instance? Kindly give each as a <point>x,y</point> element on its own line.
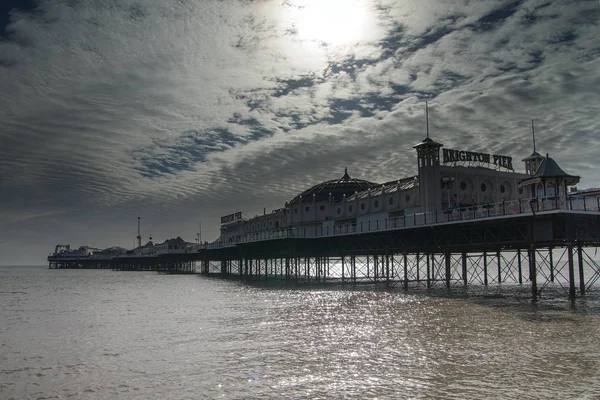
<point>457,214</point>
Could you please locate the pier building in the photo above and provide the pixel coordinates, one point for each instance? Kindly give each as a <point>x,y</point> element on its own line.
<point>447,180</point>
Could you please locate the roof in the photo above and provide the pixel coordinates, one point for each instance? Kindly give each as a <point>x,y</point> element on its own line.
<point>337,188</point>
<point>534,156</point>
<point>429,142</point>
<point>549,169</point>
<point>177,240</point>
<point>387,188</point>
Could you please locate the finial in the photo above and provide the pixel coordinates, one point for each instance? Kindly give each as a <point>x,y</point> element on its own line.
<point>346,176</point>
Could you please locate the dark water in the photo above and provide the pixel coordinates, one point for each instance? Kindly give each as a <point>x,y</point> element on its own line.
<point>139,335</point>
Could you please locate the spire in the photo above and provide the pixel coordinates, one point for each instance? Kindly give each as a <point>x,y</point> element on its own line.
<point>346,176</point>
<point>427,118</point>
<point>533,134</point>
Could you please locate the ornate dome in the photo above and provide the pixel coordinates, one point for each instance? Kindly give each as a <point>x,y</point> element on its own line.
<point>336,187</point>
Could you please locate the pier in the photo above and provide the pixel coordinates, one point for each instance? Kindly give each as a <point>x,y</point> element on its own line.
<point>486,246</point>
<point>462,220</point>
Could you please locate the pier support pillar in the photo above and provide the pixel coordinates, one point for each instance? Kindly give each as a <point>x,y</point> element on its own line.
<point>485,270</point>
<point>448,264</point>
<point>499,258</point>
<point>533,273</point>
<point>405,271</point>
<point>551,262</point>
<point>428,271</point>
<point>571,271</point>
<point>519,266</point>
<point>464,269</point>
<point>581,276</point>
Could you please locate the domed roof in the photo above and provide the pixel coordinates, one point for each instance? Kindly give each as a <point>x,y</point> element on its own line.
<point>336,187</point>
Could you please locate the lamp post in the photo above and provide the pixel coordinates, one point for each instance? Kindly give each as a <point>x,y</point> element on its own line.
<point>447,182</point>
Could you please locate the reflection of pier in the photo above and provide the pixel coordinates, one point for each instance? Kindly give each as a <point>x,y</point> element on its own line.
<point>540,243</point>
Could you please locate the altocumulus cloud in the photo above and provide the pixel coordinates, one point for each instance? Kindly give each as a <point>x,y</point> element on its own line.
<point>185,110</point>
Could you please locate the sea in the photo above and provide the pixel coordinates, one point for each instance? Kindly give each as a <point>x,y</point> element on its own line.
<point>101,334</point>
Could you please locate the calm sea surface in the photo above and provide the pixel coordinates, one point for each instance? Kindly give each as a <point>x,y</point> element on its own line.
<point>85,334</point>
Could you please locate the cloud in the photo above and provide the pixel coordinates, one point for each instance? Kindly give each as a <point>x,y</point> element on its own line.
<point>184,110</point>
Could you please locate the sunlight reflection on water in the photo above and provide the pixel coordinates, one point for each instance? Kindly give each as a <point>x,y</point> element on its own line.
<point>99,334</point>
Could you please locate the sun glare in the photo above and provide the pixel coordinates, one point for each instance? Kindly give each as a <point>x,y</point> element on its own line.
<point>330,22</point>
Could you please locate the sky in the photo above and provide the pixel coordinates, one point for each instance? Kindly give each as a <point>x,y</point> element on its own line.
<point>181,111</point>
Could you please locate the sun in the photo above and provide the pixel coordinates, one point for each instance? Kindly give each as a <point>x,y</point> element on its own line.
<point>330,22</point>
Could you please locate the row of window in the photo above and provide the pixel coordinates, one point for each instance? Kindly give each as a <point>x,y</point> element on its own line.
<point>483,187</point>
<point>350,208</point>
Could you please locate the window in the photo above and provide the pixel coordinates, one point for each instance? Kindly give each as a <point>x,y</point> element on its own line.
<point>483,187</point>
<point>362,206</point>
<point>391,201</point>
<point>307,208</point>
<point>520,190</point>
<point>339,210</point>
<point>322,207</point>
<point>502,189</point>
<point>296,210</point>
<point>350,209</point>
<point>376,204</point>
<point>407,198</point>
<point>463,185</point>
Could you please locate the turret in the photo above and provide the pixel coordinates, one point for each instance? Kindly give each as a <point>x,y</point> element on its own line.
<point>428,157</point>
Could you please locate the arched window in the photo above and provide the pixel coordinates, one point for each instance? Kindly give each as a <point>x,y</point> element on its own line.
<point>322,208</point>
<point>362,206</point>
<point>376,204</point>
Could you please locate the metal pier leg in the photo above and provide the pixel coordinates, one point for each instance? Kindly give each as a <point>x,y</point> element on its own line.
<point>499,266</point>
<point>533,273</point>
<point>571,272</point>
<point>448,260</point>
<point>551,261</point>
<point>428,272</point>
<point>353,266</point>
<point>405,271</point>
<point>464,268</point>
<point>343,267</point>
<point>581,277</point>
<point>519,265</point>
<point>485,271</point>
<point>387,270</point>
<point>418,277</point>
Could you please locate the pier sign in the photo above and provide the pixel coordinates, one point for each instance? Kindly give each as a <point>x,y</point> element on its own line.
<point>453,156</point>
<point>231,217</point>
